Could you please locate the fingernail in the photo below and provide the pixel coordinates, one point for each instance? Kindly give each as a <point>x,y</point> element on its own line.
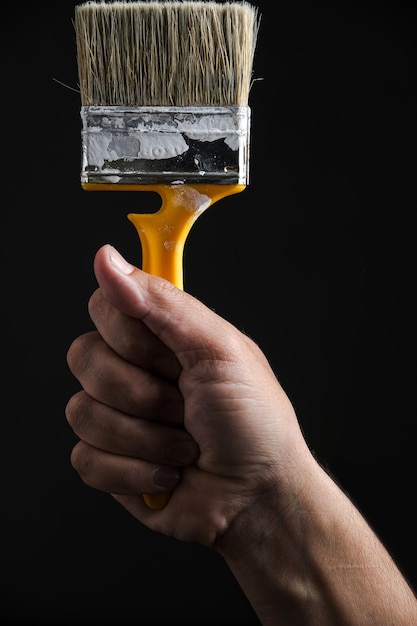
<point>119,262</point>
<point>167,477</point>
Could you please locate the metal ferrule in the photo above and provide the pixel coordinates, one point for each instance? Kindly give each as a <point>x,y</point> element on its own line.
<point>165,145</point>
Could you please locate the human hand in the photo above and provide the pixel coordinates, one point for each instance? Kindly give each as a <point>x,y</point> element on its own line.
<point>175,398</point>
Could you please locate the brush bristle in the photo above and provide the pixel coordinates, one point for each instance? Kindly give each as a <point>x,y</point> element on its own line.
<point>172,53</point>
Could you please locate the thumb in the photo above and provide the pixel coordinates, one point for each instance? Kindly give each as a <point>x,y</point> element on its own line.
<point>181,321</point>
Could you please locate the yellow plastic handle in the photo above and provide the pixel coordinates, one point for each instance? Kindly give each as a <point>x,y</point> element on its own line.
<point>163,235</point>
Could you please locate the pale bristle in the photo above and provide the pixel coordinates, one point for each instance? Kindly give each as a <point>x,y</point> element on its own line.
<point>156,53</point>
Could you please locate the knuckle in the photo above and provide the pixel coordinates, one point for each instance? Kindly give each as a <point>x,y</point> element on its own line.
<point>79,352</point>
<point>130,477</point>
<point>81,460</point>
<point>77,412</point>
<point>96,304</point>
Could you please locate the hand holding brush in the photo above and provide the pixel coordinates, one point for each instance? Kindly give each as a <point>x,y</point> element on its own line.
<point>164,91</point>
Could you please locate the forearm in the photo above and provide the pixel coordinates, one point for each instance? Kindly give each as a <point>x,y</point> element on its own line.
<point>315,562</point>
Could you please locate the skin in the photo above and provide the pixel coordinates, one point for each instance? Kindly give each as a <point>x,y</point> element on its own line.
<point>175,398</point>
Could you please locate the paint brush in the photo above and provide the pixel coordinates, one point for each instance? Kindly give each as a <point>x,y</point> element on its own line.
<point>164,91</point>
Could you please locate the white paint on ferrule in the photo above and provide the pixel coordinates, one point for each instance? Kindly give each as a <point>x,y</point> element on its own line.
<point>129,142</point>
<point>105,147</point>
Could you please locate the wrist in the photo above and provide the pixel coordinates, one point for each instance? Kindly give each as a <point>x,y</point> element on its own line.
<point>303,554</point>
<point>265,548</point>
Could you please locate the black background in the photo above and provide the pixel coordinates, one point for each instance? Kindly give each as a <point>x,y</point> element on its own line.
<point>315,260</point>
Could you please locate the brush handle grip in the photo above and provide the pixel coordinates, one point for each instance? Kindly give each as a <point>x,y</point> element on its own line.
<point>163,235</point>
